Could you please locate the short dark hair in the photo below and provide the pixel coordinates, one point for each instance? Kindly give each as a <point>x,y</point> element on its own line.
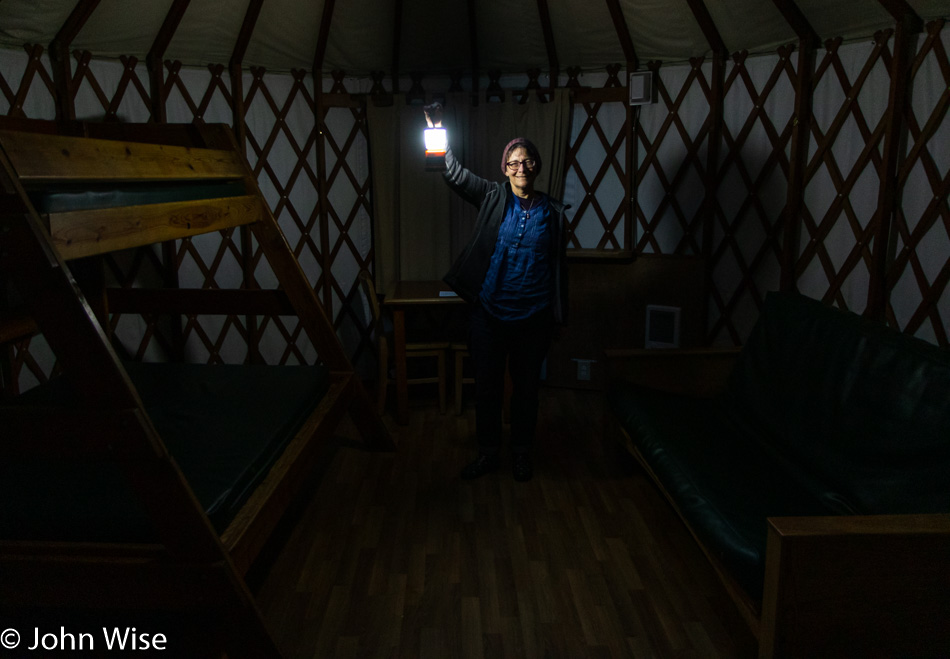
<point>527,145</point>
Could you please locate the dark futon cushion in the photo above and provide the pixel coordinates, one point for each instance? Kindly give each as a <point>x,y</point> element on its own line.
<point>862,407</point>
<point>720,479</point>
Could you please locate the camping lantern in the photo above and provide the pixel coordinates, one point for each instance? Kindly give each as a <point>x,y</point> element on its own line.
<point>436,142</point>
<point>436,139</point>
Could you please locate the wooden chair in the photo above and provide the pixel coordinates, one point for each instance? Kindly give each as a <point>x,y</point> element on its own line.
<point>433,350</point>
<point>460,354</point>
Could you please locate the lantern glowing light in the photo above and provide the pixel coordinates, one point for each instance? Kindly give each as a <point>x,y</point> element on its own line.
<point>436,141</point>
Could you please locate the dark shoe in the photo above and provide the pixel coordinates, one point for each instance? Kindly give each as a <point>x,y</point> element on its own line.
<point>521,467</point>
<point>483,464</point>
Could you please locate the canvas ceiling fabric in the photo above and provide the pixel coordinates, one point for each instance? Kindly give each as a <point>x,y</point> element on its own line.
<point>420,226</point>
<point>441,38</point>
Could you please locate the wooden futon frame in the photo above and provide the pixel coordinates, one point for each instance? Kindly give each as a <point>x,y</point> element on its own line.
<point>174,570</point>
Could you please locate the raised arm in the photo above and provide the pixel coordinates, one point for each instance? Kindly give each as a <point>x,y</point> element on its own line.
<point>470,187</point>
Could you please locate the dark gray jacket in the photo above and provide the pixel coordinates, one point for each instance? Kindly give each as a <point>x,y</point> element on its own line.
<point>468,272</point>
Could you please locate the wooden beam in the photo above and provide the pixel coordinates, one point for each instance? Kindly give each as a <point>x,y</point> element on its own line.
<point>895,132</point>
<point>630,165</point>
<point>397,43</point>
<point>247,29</point>
<point>59,56</point>
<point>195,301</point>
<point>153,61</point>
<point>706,24</point>
<point>798,157</point>
<point>321,147</point>
<point>473,40</point>
<point>717,85</point>
<point>77,234</point>
<point>236,72</point>
<point>45,158</point>
<point>554,68</point>
<point>798,22</point>
<point>623,34</point>
<point>711,179</point>
<point>808,42</point>
<point>903,13</point>
<point>238,121</point>
<point>322,38</point>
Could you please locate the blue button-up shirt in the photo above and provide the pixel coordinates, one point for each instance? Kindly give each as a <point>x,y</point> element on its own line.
<point>518,283</point>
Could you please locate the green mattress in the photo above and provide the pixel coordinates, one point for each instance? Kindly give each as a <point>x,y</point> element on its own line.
<point>224,426</point>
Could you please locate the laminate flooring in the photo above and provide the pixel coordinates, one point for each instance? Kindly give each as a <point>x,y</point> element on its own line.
<point>393,555</point>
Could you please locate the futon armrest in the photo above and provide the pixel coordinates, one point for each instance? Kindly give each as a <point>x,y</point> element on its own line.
<point>857,586</point>
<point>691,371</point>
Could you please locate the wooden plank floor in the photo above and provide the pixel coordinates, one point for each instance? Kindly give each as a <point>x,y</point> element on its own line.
<point>393,555</point>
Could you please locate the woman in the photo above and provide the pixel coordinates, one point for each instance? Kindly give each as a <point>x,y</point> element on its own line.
<point>513,273</point>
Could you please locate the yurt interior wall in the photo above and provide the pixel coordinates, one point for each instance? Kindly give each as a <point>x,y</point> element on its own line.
<point>714,185</point>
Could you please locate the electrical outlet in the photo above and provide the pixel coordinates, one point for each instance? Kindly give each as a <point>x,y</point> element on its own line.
<point>583,369</point>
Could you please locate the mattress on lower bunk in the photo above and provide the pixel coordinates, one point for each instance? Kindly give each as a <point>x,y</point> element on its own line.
<point>224,426</point>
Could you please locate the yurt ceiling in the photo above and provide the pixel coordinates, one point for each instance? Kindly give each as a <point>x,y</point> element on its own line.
<point>430,36</point>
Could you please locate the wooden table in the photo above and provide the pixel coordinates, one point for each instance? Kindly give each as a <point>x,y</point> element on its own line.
<point>403,296</point>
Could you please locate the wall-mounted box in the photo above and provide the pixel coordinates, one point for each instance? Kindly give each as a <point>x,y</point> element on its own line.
<point>640,86</point>
<point>662,326</point>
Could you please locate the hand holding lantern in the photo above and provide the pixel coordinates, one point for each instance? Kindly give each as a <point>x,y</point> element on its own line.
<point>436,139</point>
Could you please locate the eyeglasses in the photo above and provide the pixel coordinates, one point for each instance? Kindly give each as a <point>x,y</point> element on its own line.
<point>515,165</point>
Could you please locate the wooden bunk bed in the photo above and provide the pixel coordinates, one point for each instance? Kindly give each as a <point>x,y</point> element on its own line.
<point>140,494</point>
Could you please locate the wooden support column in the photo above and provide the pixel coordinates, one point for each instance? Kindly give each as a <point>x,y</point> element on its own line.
<point>154,62</point>
<point>238,112</point>
<point>908,26</point>
<point>713,139</point>
<point>630,164</point>
<point>717,85</point>
<point>319,110</point>
<point>59,58</point>
<point>808,41</point>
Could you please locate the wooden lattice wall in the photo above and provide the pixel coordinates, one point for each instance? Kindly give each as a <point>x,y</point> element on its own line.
<point>729,205</point>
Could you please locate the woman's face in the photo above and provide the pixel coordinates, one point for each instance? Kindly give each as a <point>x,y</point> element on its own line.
<point>521,176</point>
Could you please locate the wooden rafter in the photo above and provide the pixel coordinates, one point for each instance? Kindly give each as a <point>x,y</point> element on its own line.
<point>473,41</point>
<point>397,43</point>
<point>153,61</point>
<point>545,15</point>
<point>322,38</point>
<point>59,54</point>
<point>623,34</point>
<point>706,24</point>
<point>798,22</point>
<point>903,13</point>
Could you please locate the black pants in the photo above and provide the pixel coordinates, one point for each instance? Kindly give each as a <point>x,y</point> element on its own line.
<point>523,345</point>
